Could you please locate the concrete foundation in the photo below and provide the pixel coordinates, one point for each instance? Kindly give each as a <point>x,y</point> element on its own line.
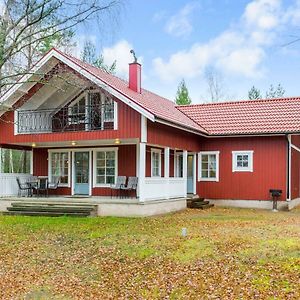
<point>107,206</point>
<point>260,204</point>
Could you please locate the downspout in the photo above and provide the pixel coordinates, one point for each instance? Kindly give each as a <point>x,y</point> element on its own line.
<point>289,166</point>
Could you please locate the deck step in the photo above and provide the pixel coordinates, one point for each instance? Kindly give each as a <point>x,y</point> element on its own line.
<point>51,209</point>
<point>46,214</point>
<point>199,203</point>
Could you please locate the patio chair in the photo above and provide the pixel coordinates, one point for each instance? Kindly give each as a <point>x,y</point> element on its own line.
<point>131,185</point>
<point>23,187</point>
<point>54,184</point>
<point>120,182</point>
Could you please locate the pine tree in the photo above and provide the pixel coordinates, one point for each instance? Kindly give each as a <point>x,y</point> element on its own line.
<point>89,56</point>
<point>277,92</point>
<point>254,93</point>
<point>182,96</point>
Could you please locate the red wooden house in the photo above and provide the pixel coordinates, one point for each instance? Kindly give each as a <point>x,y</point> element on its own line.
<point>88,127</point>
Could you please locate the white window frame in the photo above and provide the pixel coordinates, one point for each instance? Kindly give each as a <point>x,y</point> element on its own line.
<point>50,152</point>
<point>235,168</point>
<point>158,151</point>
<point>217,154</point>
<point>176,164</point>
<point>115,149</point>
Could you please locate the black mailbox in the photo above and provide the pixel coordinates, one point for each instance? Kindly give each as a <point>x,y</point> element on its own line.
<point>275,195</point>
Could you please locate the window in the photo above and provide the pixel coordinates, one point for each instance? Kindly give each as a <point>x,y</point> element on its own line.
<point>178,164</point>
<point>108,110</point>
<point>105,167</point>
<point>15,161</point>
<point>155,162</point>
<point>77,111</point>
<point>94,109</point>
<point>242,161</point>
<point>209,166</point>
<point>60,167</point>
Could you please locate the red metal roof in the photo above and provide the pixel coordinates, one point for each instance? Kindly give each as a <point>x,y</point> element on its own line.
<point>247,117</point>
<point>160,107</point>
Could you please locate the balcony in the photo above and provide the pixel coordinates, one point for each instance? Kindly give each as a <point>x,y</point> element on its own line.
<point>65,119</point>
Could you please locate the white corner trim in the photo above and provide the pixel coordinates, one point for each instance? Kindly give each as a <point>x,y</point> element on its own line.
<point>235,168</point>
<point>289,167</point>
<point>144,129</point>
<point>201,153</point>
<point>116,115</point>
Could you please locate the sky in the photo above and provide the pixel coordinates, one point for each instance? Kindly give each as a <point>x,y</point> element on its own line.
<point>245,42</point>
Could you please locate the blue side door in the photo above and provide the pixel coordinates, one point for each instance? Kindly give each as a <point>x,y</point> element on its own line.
<point>82,173</point>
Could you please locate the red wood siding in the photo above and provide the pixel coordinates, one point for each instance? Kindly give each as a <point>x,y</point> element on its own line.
<point>295,169</point>
<point>40,162</point>
<point>162,135</point>
<point>269,163</point>
<point>128,127</point>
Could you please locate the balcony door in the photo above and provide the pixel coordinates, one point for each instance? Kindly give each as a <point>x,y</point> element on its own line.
<point>82,178</point>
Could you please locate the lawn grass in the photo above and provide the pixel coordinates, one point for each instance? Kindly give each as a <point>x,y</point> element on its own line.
<point>227,254</point>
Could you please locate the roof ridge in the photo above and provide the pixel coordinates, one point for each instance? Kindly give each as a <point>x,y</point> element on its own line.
<point>241,101</point>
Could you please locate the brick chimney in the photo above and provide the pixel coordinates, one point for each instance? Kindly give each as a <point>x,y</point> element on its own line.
<point>135,70</point>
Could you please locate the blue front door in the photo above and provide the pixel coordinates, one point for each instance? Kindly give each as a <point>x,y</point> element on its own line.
<point>190,174</point>
<point>82,173</point>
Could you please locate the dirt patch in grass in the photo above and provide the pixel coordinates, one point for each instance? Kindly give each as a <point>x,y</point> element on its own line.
<point>227,254</point>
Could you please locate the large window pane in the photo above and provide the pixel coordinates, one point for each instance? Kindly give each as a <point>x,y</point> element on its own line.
<point>15,161</point>
<point>105,167</point>
<point>209,166</point>
<point>60,166</point>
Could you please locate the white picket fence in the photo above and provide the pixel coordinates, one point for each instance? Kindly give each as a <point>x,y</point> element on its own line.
<point>8,183</point>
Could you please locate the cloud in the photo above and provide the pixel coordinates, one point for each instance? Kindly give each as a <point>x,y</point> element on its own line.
<point>180,24</point>
<point>121,53</point>
<point>239,50</point>
<point>262,14</point>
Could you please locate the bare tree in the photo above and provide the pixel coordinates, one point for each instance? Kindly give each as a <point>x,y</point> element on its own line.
<point>26,24</point>
<point>215,85</point>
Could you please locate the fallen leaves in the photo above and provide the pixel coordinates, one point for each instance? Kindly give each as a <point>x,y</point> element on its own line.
<point>228,254</point>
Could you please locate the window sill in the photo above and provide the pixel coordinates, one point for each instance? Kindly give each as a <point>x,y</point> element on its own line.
<point>209,179</point>
<point>103,185</point>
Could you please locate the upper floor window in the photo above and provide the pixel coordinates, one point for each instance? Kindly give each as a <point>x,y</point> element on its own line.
<point>77,111</point>
<point>242,161</point>
<point>155,162</point>
<point>94,109</point>
<point>209,166</point>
